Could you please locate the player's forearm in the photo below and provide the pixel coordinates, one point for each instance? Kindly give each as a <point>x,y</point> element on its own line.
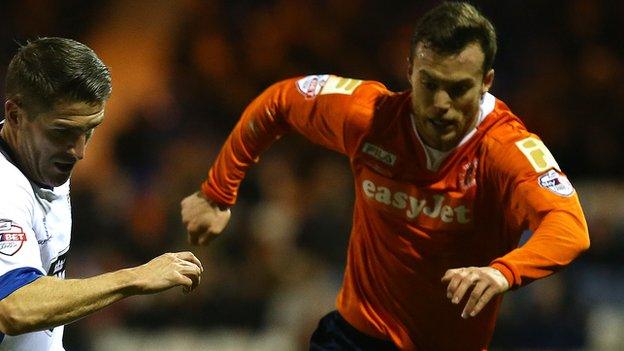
<point>259,127</point>
<point>560,238</point>
<point>49,302</point>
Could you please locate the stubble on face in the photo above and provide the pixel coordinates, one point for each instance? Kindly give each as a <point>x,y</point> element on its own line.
<point>446,92</point>
<point>58,139</point>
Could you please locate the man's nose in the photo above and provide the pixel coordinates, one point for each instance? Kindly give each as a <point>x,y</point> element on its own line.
<point>442,100</point>
<point>77,149</point>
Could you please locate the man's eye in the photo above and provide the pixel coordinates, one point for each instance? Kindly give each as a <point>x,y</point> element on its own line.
<point>458,91</point>
<point>429,85</point>
<point>61,132</point>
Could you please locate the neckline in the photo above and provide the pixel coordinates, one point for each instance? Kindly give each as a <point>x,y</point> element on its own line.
<point>435,158</point>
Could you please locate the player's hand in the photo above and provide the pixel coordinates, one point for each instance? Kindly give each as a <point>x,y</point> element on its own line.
<point>203,218</point>
<point>486,282</point>
<point>168,270</point>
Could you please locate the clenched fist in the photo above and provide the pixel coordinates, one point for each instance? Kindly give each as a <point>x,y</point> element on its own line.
<point>203,218</point>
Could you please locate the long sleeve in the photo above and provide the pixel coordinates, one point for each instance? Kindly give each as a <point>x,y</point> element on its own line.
<point>537,196</point>
<point>327,110</point>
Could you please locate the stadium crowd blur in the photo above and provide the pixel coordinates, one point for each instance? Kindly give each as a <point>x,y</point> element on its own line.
<point>182,73</point>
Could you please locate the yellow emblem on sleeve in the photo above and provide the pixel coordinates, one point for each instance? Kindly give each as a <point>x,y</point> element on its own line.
<point>340,85</point>
<point>537,153</point>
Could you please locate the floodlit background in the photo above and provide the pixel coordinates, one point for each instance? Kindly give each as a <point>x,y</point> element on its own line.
<point>183,71</point>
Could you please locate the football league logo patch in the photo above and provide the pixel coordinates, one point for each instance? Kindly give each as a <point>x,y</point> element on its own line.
<point>557,183</point>
<point>12,237</point>
<point>311,86</point>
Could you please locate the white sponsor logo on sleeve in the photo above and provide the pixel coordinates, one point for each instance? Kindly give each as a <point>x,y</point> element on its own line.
<point>557,183</point>
<point>311,86</point>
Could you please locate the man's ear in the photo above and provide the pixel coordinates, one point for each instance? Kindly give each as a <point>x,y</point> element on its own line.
<point>13,113</point>
<point>488,80</point>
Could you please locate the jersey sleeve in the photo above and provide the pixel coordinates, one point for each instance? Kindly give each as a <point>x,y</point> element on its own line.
<point>328,110</point>
<point>539,197</point>
<point>20,259</point>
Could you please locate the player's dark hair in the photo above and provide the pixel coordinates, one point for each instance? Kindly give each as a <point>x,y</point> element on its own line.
<point>449,27</point>
<point>46,71</point>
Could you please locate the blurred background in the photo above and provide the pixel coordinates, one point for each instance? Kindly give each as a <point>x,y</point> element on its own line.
<point>182,73</point>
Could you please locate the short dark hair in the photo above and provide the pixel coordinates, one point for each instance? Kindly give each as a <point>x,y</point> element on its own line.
<point>46,71</point>
<point>450,26</point>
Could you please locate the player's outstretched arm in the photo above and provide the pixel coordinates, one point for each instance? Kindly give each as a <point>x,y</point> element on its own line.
<point>203,218</point>
<point>49,302</point>
<point>485,282</point>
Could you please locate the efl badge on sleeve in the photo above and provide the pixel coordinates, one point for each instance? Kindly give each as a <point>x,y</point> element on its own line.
<point>557,183</point>
<point>12,237</point>
<point>311,86</point>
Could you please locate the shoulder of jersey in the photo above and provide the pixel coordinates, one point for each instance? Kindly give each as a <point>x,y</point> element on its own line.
<point>508,142</point>
<point>342,85</point>
<point>325,84</point>
<point>11,178</point>
<point>506,127</point>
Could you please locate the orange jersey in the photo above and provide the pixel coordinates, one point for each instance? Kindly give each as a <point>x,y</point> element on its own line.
<point>411,223</point>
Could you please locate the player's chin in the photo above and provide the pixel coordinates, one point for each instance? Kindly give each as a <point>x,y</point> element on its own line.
<point>57,178</point>
<point>448,139</point>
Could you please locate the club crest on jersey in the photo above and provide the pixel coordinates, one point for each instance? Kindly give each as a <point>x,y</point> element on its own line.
<point>12,237</point>
<point>467,175</point>
<point>311,86</point>
<point>379,153</point>
<point>557,183</point>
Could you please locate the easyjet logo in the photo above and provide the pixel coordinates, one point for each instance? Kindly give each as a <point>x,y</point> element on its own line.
<point>436,207</point>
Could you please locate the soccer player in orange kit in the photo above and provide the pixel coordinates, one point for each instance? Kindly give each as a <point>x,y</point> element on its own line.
<point>446,180</point>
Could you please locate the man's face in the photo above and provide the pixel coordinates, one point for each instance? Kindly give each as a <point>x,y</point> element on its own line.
<point>50,144</point>
<point>446,92</point>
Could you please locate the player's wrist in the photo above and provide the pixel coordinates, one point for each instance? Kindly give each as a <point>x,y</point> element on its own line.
<point>500,278</point>
<point>220,205</point>
<point>129,281</point>
<point>502,274</point>
<point>208,194</point>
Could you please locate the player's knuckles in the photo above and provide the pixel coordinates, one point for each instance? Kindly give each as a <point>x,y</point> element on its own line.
<point>457,283</point>
<point>164,258</point>
<point>178,278</point>
<point>452,287</point>
<point>190,271</point>
<point>458,271</point>
<point>474,276</point>
<point>467,275</point>
<point>185,255</point>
